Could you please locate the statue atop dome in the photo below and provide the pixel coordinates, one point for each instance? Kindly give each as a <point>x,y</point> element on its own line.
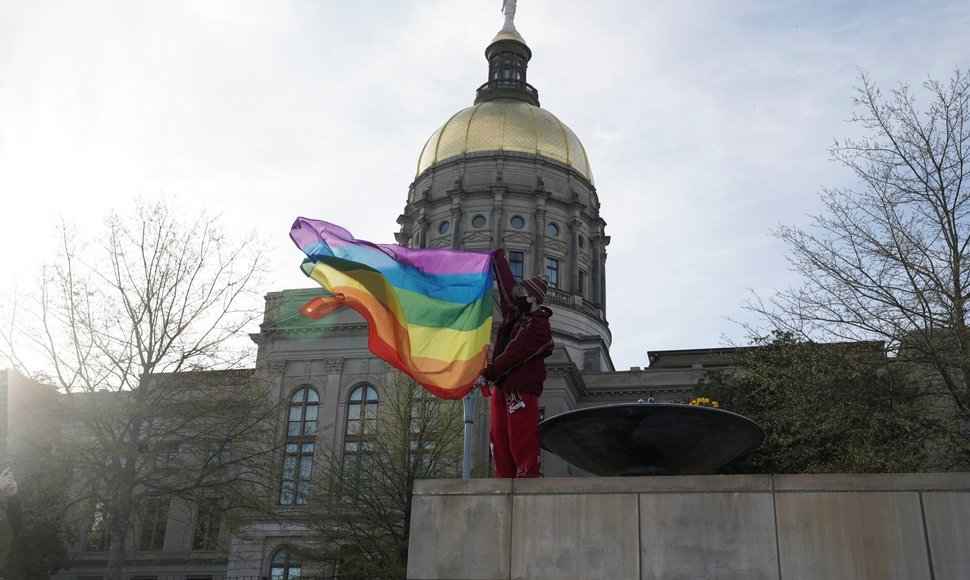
<point>508,8</point>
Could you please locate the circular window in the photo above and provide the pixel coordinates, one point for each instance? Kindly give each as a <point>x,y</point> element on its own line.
<point>517,222</point>
<point>444,227</point>
<point>478,221</point>
<point>552,229</point>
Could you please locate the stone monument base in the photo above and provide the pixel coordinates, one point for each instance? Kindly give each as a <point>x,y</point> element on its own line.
<point>744,527</point>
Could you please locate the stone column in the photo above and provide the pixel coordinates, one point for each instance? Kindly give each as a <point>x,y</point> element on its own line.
<point>574,229</point>
<point>498,221</point>
<point>597,273</point>
<point>603,281</point>
<point>330,402</point>
<point>421,225</point>
<point>456,214</point>
<point>539,255</point>
<point>333,366</point>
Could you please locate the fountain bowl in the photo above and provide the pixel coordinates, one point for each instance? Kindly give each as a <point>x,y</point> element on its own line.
<point>649,438</point>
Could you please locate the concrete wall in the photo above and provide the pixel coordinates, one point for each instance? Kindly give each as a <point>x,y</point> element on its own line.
<point>744,527</point>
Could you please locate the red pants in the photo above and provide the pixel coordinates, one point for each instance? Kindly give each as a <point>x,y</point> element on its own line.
<point>515,435</point>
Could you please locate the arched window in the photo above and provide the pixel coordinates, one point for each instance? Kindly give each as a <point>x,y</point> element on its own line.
<point>285,566</point>
<point>299,445</point>
<point>358,447</point>
<point>361,411</point>
<point>302,416</point>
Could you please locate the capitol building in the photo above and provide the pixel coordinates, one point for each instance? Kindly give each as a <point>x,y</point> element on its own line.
<point>502,173</point>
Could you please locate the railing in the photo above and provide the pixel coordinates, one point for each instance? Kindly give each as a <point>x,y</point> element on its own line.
<point>556,296</point>
<point>560,296</point>
<point>591,308</point>
<point>507,84</point>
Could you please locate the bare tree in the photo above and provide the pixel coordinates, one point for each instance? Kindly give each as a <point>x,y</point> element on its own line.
<point>889,259</point>
<point>359,508</point>
<point>129,328</point>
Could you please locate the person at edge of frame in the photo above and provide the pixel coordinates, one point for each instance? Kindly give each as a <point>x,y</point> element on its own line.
<point>10,514</point>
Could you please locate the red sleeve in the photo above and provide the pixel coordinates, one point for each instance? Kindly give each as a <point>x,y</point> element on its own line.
<point>506,284</point>
<point>533,338</point>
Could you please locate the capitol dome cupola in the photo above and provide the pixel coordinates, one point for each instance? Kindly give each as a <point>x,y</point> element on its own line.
<point>508,61</point>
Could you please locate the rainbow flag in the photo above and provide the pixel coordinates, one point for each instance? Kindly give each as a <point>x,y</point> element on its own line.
<point>429,311</point>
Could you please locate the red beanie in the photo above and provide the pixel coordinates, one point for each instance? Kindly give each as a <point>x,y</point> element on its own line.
<point>537,286</point>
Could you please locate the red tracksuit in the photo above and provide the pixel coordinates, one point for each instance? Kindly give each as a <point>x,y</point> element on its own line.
<point>518,371</point>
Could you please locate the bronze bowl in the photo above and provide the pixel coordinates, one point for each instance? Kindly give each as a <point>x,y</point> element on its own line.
<point>649,438</point>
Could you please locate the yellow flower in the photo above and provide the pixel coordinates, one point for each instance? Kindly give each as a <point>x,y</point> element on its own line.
<point>704,402</point>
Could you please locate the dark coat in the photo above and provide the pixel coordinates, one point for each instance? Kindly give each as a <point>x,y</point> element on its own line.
<point>523,341</point>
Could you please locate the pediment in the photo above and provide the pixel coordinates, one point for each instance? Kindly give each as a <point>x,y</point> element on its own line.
<point>484,238</point>
<point>556,245</point>
<point>518,238</point>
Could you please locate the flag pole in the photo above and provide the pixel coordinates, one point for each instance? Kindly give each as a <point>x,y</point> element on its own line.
<point>469,405</point>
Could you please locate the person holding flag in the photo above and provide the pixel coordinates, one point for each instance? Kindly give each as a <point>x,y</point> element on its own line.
<point>517,371</point>
<point>429,313</point>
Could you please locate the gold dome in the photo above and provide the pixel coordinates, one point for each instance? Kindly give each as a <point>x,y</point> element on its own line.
<point>505,125</point>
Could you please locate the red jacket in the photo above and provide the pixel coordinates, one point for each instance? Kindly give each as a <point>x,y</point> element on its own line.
<point>523,341</point>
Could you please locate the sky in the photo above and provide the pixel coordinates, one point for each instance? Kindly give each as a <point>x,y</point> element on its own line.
<point>707,124</point>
